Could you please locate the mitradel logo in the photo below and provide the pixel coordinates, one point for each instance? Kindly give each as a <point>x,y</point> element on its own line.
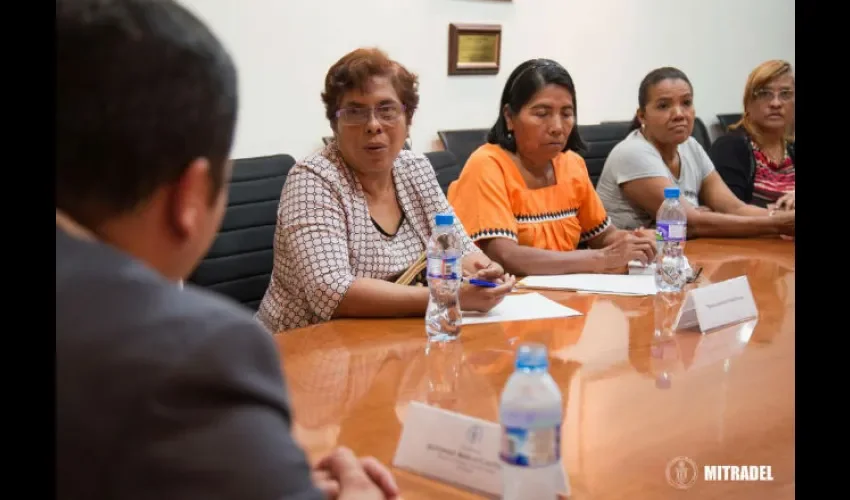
<point>682,473</point>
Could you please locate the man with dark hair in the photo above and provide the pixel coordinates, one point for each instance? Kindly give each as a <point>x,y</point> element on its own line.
<point>161,392</point>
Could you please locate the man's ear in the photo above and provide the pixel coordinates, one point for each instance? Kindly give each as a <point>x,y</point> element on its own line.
<point>191,197</point>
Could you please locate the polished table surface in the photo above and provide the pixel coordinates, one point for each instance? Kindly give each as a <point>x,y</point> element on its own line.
<point>633,401</point>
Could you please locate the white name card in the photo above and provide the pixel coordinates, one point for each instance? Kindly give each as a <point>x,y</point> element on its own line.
<point>454,448</point>
<point>717,305</point>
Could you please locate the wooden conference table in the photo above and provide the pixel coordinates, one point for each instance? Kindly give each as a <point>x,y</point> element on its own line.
<point>633,402</point>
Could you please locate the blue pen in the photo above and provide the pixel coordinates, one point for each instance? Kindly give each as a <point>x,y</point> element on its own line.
<point>481,283</point>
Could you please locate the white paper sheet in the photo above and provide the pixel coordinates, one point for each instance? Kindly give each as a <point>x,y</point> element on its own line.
<point>594,283</point>
<point>520,307</point>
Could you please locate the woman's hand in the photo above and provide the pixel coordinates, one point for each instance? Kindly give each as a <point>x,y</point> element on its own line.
<point>784,221</point>
<point>481,267</point>
<point>482,299</point>
<point>786,202</point>
<point>636,245</point>
<point>645,233</point>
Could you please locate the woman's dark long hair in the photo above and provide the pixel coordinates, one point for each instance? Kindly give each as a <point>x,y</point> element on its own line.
<point>649,81</point>
<point>525,81</point>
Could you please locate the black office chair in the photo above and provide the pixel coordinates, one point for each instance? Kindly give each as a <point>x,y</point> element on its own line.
<point>445,166</point>
<point>462,143</point>
<point>700,133</point>
<point>240,261</point>
<point>728,119</point>
<point>601,139</point>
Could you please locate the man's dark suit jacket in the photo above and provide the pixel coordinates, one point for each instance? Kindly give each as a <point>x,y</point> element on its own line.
<point>164,393</point>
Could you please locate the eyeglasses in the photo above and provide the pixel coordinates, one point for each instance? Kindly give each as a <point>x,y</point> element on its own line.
<point>386,114</point>
<point>767,95</point>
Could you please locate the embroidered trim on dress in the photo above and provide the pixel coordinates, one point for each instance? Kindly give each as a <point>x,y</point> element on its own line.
<point>596,231</point>
<point>546,216</point>
<point>494,233</point>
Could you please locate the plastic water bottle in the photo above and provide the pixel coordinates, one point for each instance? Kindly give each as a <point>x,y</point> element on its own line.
<point>671,224</point>
<point>443,318</point>
<point>531,414</point>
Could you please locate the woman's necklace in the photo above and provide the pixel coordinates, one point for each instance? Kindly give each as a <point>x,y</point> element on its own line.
<point>777,159</point>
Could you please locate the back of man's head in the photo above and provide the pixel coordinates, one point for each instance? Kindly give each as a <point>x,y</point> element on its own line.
<point>143,91</point>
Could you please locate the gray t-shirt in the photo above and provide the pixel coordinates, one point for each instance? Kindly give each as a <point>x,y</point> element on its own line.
<point>636,158</point>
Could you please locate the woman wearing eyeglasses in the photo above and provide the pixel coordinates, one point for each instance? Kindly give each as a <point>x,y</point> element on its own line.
<point>756,159</point>
<point>355,217</point>
<point>660,152</point>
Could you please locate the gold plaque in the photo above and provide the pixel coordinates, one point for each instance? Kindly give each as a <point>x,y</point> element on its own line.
<point>474,49</point>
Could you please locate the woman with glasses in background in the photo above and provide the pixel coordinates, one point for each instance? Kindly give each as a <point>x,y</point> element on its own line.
<point>355,217</point>
<point>660,152</point>
<point>756,159</point>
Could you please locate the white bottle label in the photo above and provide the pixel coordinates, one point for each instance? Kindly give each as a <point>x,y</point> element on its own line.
<point>666,231</point>
<point>531,447</point>
<point>443,268</point>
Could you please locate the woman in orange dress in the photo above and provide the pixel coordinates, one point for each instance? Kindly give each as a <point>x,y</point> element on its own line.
<point>526,198</point>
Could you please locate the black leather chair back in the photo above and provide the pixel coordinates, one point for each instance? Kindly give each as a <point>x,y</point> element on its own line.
<point>239,263</point>
<point>601,139</point>
<point>700,133</point>
<point>445,166</point>
<point>462,143</point>
<point>728,119</point>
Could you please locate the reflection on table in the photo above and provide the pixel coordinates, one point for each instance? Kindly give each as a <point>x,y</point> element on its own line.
<point>633,400</point>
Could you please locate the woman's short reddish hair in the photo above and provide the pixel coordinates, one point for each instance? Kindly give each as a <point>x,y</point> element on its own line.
<point>355,69</point>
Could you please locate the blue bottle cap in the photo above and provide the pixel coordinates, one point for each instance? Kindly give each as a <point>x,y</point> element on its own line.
<point>532,357</point>
<point>671,192</point>
<point>445,219</point>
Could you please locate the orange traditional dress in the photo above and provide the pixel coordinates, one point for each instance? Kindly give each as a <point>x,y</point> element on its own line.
<point>492,200</point>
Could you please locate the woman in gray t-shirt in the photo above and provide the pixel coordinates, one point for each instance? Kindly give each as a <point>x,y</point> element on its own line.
<point>659,152</point>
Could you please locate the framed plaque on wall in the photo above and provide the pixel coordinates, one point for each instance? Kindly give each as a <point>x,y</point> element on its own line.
<point>474,49</point>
